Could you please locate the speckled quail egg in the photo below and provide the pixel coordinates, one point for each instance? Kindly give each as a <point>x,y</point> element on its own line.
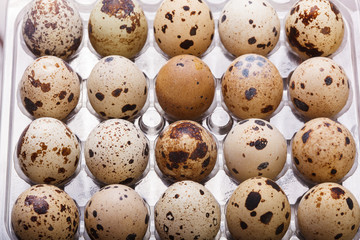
<point>184,27</point>
<point>328,211</point>
<point>190,77</point>
<point>117,27</point>
<point>253,148</point>
<point>116,212</point>
<point>314,28</point>
<point>249,27</point>
<point>252,87</point>
<point>52,27</point>
<point>187,210</point>
<point>258,209</point>
<point>48,151</point>
<point>319,88</point>
<point>323,150</point>
<point>45,212</point>
<point>49,88</point>
<point>116,152</point>
<point>117,88</point>
<point>186,151</point>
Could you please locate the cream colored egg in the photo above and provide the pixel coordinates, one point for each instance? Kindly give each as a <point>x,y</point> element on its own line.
<point>252,87</point>
<point>249,27</point>
<point>258,209</point>
<point>319,87</point>
<point>46,211</point>
<point>314,28</point>
<point>116,152</point>
<point>117,88</point>
<point>187,210</point>
<point>253,148</point>
<point>52,27</point>
<point>49,87</point>
<point>323,150</point>
<point>117,27</point>
<point>116,212</point>
<point>184,27</point>
<point>328,211</point>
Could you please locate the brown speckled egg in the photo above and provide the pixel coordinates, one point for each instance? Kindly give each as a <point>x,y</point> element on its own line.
<point>252,87</point>
<point>52,27</point>
<point>189,77</point>
<point>187,210</point>
<point>46,211</point>
<point>184,27</point>
<point>49,88</point>
<point>116,152</point>
<point>186,151</point>
<point>258,209</point>
<point>314,28</point>
<point>249,27</point>
<point>48,152</point>
<point>319,87</point>
<point>117,88</point>
<point>253,148</point>
<point>328,211</point>
<point>117,27</point>
<point>323,150</point>
<point>116,212</point>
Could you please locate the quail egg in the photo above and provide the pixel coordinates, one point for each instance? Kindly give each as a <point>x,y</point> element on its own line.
<point>190,77</point>
<point>252,87</point>
<point>323,150</point>
<point>117,88</point>
<point>49,87</point>
<point>314,28</point>
<point>328,211</point>
<point>116,212</point>
<point>186,151</point>
<point>249,27</point>
<point>52,27</point>
<point>48,152</point>
<point>319,88</point>
<point>184,27</point>
<point>187,210</point>
<point>117,27</point>
<point>253,148</point>
<point>258,209</point>
<point>116,152</point>
<point>45,212</point>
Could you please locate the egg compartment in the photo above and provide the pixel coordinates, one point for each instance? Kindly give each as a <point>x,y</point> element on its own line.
<point>219,122</point>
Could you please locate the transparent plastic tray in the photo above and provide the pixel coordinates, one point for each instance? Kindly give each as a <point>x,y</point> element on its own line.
<point>16,58</point>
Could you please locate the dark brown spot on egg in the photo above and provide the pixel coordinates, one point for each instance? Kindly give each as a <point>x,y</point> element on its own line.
<point>33,218</point>
<point>347,141</point>
<point>262,166</point>
<point>334,9</point>
<point>61,170</point>
<point>336,192</point>
<point>95,213</point>
<point>266,217</point>
<point>205,163</point>
<point>350,203</point>
<point>109,59</point>
<point>29,29</point>
<point>186,44</point>
<point>163,28</point>
<point>279,229</point>
<point>235,171</point>
<point>259,144</point>
<point>309,49</point>
<point>62,95</point>
<point>250,93</point>
<point>325,30</point>
<point>252,40</point>
<point>116,92</point>
<point>223,18</point>
<point>328,80</point>
<point>93,233</point>
<point>49,180</point>
<point>243,225</point>
<point>71,97</point>
<point>252,200</point>
<point>310,16</point>
<point>306,136</point>
<point>117,8</point>
<point>333,171</point>
<point>338,236</point>
<point>193,30</point>
<point>187,128</point>
<point>273,185</point>
<point>39,204</point>
<point>91,153</point>
<point>267,109</point>
<point>200,151</point>
<point>178,157</point>
<point>169,16</point>
<point>65,151</point>
<point>128,107</point>
<point>186,8</point>
<point>301,105</point>
<point>99,96</point>
<point>170,216</point>
<point>127,181</point>
<point>180,64</point>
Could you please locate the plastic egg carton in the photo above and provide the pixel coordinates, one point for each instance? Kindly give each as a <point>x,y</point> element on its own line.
<point>13,121</point>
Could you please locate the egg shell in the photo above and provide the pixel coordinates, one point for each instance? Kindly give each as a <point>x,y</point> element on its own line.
<point>323,151</point>
<point>186,151</point>
<point>117,88</point>
<point>192,78</point>
<point>187,210</point>
<point>184,27</point>
<point>253,148</point>
<point>48,152</point>
<point>52,27</point>
<point>328,211</point>
<point>252,87</point>
<point>46,211</point>
<point>319,87</point>
<point>249,27</point>
<point>258,209</point>
<point>49,87</point>
<point>117,27</point>
<point>314,28</point>
<point>116,152</point>
<point>116,212</point>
